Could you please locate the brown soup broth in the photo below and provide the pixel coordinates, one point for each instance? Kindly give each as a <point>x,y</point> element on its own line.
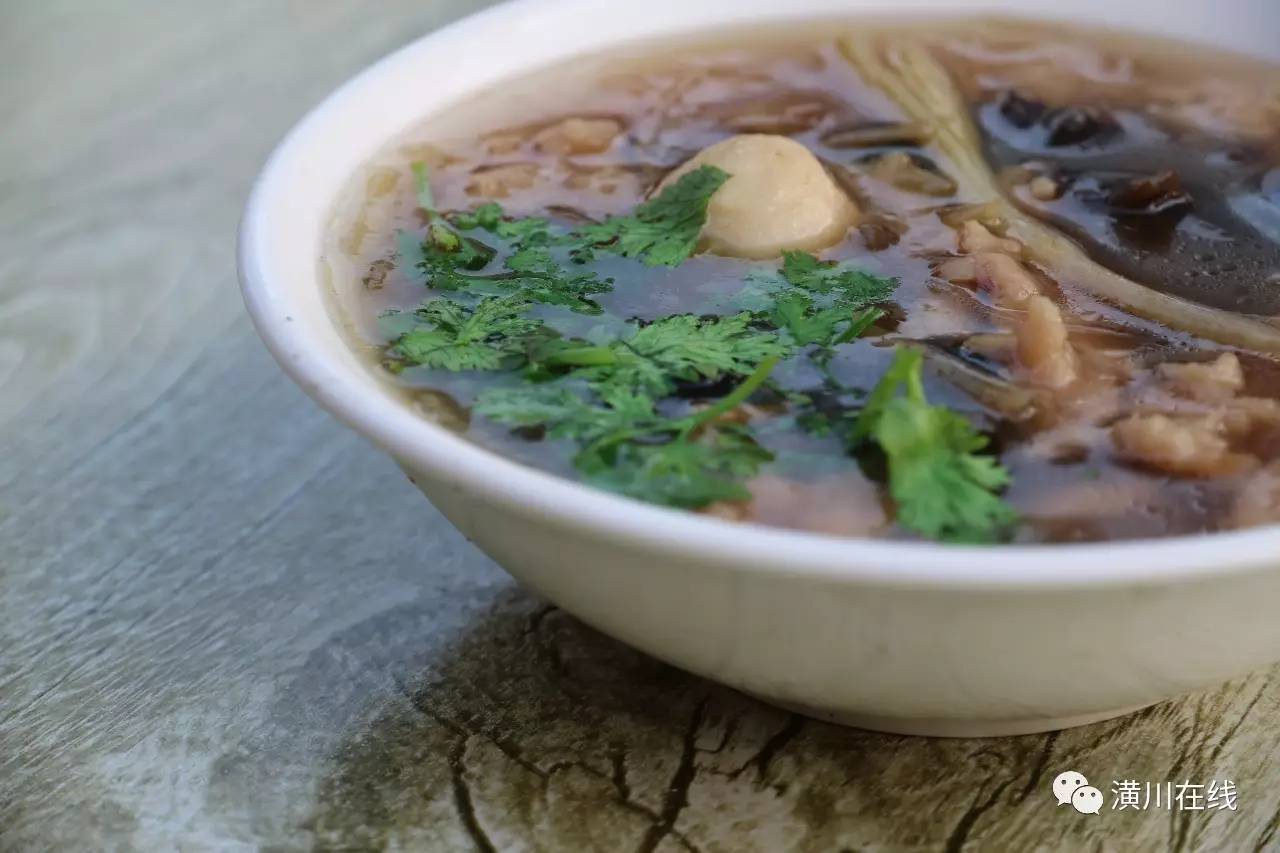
<point>1079,129</point>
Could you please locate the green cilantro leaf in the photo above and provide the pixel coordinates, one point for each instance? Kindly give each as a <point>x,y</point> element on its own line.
<point>451,336</point>
<point>831,283</point>
<point>681,473</point>
<point>444,250</point>
<point>487,216</point>
<point>851,286</point>
<point>629,448</point>
<point>689,348</point>
<point>538,276</point>
<point>664,230</point>
<point>942,486</point>
<point>522,232</point>
<point>425,261</point>
<point>565,413</point>
<point>529,231</point>
<point>532,406</point>
<point>816,302</point>
<point>531,271</point>
<point>693,347</point>
<point>796,313</point>
<point>543,262</point>
<point>704,463</point>
<point>661,231</point>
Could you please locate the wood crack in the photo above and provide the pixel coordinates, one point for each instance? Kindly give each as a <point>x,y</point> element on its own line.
<point>1231,732</point>
<point>618,762</point>
<point>762,760</point>
<point>960,835</point>
<point>511,752</point>
<point>1037,770</point>
<point>678,791</point>
<point>1269,832</point>
<point>462,798</point>
<point>617,778</point>
<point>1184,831</point>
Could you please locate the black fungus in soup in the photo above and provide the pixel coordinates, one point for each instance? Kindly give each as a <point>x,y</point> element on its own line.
<point>977,282</point>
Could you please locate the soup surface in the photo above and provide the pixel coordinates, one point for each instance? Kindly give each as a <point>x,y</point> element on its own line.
<point>984,281</point>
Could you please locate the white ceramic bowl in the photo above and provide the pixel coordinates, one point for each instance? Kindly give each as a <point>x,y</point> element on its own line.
<point>912,638</point>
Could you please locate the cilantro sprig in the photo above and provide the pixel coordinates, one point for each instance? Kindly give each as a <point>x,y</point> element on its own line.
<point>664,230</point>
<point>653,358</point>
<point>848,284</point>
<point>611,409</point>
<point>806,323</point>
<point>450,336</point>
<point>628,447</point>
<point>941,483</point>
<point>450,260</point>
<point>826,303</point>
<point>545,263</point>
<point>444,250</point>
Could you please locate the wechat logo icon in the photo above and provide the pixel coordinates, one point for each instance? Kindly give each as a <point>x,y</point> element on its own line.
<point>1071,788</point>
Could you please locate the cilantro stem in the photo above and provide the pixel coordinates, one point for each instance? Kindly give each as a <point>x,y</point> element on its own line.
<point>583,357</point>
<point>439,231</point>
<point>860,323</point>
<point>422,183</point>
<point>734,398</point>
<point>686,426</point>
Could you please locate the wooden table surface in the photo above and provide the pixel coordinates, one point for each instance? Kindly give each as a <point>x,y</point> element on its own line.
<point>226,623</point>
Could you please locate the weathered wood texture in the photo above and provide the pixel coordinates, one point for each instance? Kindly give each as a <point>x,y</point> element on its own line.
<point>226,623</point>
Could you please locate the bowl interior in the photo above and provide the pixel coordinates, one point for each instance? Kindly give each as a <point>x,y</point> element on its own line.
<point>290,299</point>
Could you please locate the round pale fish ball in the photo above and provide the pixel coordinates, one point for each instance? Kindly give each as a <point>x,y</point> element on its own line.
<point>778,198</point>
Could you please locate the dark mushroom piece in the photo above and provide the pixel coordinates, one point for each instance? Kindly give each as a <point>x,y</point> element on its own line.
<point>922,87</point>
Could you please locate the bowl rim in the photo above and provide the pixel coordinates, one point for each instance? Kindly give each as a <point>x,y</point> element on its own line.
<point>356,398</point>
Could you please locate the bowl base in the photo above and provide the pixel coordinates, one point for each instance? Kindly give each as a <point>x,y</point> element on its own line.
<point>957,728</point>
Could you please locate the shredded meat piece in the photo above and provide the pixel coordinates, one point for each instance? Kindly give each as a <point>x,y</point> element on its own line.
<point>1218,105</point>
<point>988,213</point>
<point>846,506</point>
<point>728,510</point>
<point>607,180</point>
<point>1043,348</point>
<point>1259,501</point>
<point>578,136</point>
<point>999,347</point>
<point>499,181</point>
<point>1097,499</point>
<point>1184,445</point>
<point>1208,382</point>
<point>1244,415</point>
<point>741,414</point>
<point>898,169</point>
<point>1253,424</point>
<point>1066,73</point>
<point>786,113</point>
<point>974,237</point>
<point>503,143</point>
<point>1044,188</point>
<point>963,270</point>
<point>1005,277</point>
